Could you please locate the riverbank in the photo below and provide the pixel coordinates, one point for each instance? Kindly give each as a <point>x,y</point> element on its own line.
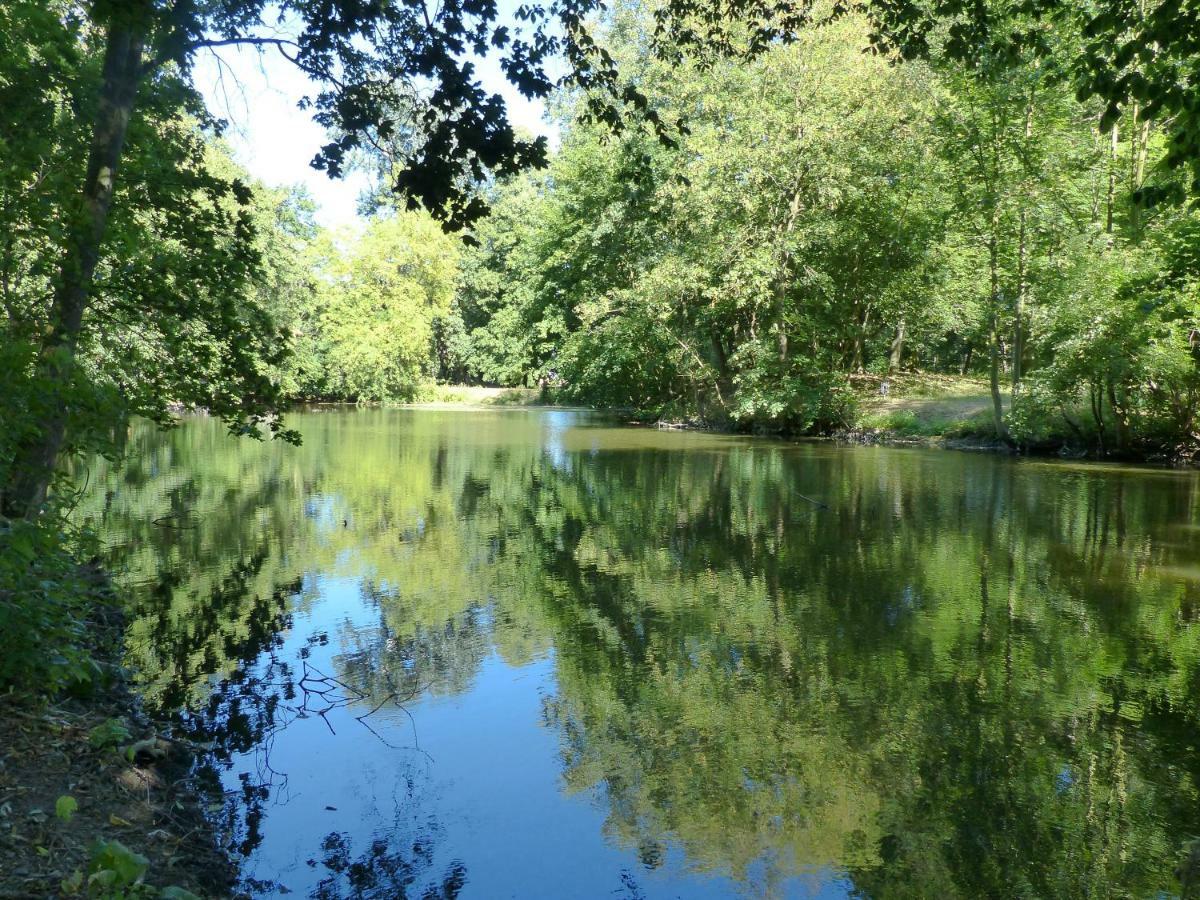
<point>96,799</point>
<point>906,409</point>
<point>936,411</point>
<point>479,395</point>
<point>924,406</point>
<point>955,413</point>
<point>951,413</point>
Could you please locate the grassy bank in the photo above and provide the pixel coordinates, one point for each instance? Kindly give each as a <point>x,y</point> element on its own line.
<point>925,406</point>
<point>956,412</point>
<point>911,407</point>
<point>478,395</point>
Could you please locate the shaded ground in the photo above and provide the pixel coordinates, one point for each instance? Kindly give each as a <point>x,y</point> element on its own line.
<point>95,770</point>
<point>925,405</point>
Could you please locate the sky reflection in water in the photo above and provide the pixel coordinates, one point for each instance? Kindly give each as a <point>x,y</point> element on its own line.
<point>637,663</point>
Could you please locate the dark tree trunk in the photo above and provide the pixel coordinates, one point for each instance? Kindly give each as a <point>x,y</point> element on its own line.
<point>897,352</point>
<point>1110,197</point>
<point>1097,399</point>
<point>724,375</point>
<point>34,464</point>
<point>1120,418</point>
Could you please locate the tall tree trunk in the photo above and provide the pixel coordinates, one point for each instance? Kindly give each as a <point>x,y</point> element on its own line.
<point>33,467</point>
<point>897,351</point>
<point>858,362</point>
<point>1120,417</point>
<point>994,328</point>
<point>1139,147</point>
<point>1018,348</point>
<point>783,276</point>
<point>994,372</point>
<point>724,375</point>
<point>1018,343</point>
<point>1111,195</point>
<point>1094,392</point>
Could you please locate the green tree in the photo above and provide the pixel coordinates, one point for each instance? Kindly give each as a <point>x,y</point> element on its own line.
<point>785,240</point>
<point>126,63</point>
<point>1141,56</point>
<point>382,297</point>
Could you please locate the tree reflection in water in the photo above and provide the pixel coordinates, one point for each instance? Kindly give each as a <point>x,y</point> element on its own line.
<point>964,677</point>
<point>380,871</point>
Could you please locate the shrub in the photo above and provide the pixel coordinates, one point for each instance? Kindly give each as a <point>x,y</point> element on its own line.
<point>45,601</point>
<point>795,395</point>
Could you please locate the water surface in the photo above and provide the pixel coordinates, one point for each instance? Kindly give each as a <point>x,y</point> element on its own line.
<point>532,653</point>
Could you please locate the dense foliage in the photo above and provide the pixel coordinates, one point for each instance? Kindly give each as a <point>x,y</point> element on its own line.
<point>745,213</point>
<point>174,315</point>
<point>833,212</point>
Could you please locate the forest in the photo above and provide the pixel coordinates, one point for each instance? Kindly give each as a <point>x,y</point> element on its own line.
<point>1007,197</point>
<point>824,211</point>
<point>755,217</point>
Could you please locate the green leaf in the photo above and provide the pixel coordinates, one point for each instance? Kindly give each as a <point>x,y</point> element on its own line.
<point>127,867</point>
<point>65,807</point>
<point>73,884</point>
<point>109,733</point>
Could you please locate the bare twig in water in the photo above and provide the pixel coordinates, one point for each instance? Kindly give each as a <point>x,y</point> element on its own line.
<point>813,501</point>
<point>162,522</point>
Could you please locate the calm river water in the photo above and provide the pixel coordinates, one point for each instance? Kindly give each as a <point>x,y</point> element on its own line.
<point>531,653</point>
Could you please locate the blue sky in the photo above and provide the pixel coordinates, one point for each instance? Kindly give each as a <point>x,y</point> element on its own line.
<point>257,93</point>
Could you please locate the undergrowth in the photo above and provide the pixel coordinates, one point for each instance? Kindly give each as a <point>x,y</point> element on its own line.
<point>46,598</point>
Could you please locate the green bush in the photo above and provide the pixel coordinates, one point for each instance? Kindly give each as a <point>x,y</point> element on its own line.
<point>45,599</point>
<point>794,395</point>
